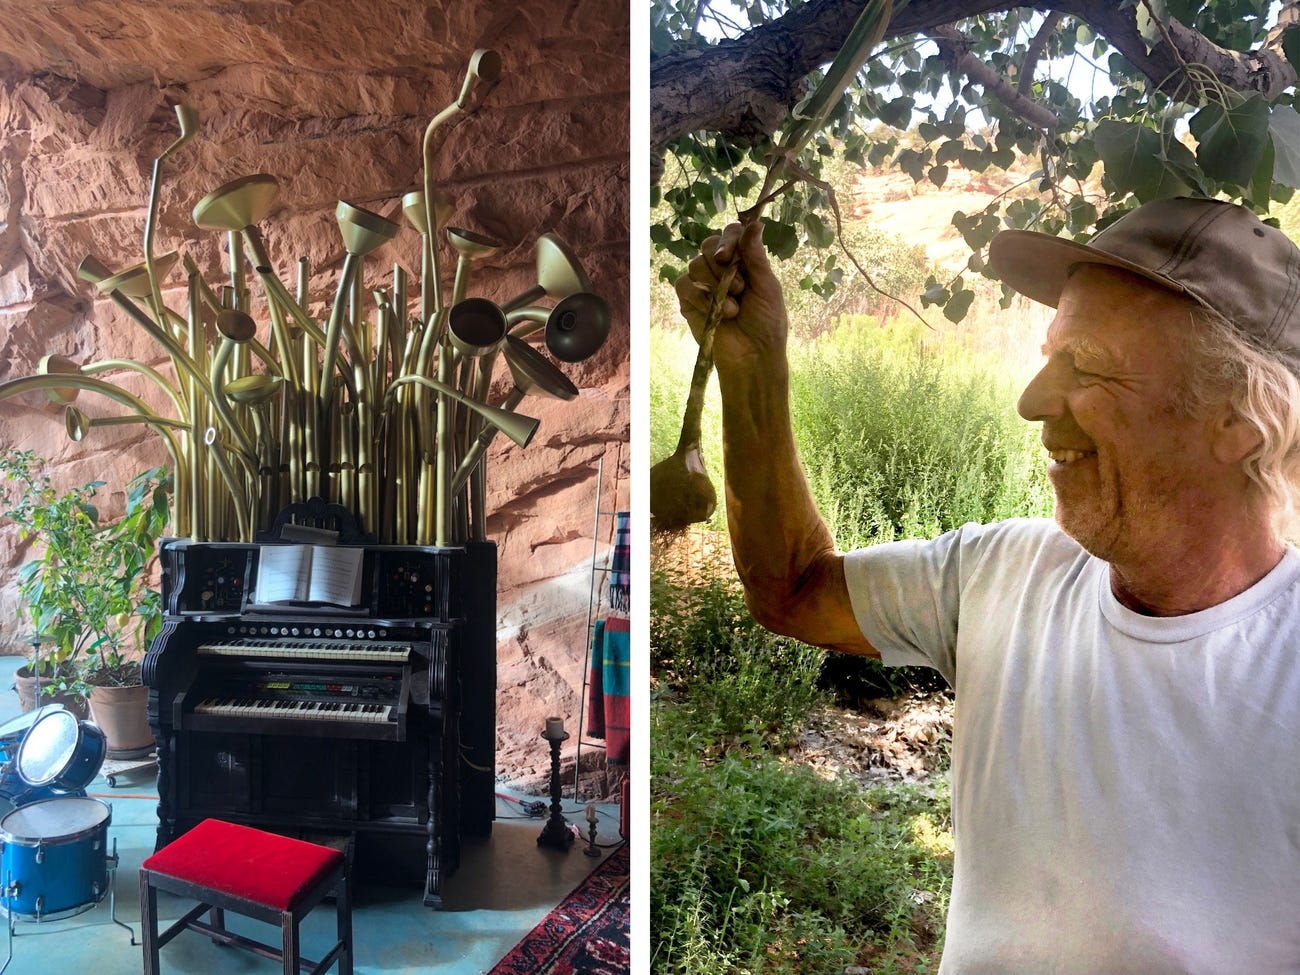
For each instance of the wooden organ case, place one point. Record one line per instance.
(378, 722)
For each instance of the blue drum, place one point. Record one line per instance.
(54, 858)
(12, 732)
(60, 752)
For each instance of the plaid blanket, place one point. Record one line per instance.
(620, 577)
(609, 686)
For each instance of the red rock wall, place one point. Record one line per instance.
(331, 98)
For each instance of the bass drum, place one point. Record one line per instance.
(54, 858)
(60, 752)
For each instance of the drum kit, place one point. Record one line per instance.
(54, 858)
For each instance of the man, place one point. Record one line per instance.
(1126, 759)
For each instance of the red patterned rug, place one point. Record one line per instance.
(587, 934)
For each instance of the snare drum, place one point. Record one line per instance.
(54, 858)
(61, 752)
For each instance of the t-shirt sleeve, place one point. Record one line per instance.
(906, 596)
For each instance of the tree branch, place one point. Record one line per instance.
(955, 51)
(1035, 51)
(747, 86)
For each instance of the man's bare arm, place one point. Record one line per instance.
(793, 577)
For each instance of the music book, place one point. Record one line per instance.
(309, 574)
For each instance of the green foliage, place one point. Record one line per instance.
(86, 588)
(903, 435)
(909, 110)
(757, 865)
(903, 438)
(734, 677)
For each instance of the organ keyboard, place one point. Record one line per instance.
(376, 721)
(307, 649)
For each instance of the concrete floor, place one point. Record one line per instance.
(504, 886)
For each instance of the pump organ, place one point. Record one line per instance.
(376, 722)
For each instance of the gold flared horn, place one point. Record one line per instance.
(532, 373)
(78, 426)
(475, 327)
(236, 327)
(362, 233)
(418, 217)
(362, 230)
(59, 365)
(469, 248)
(484, 66)
(516, 426)
(134, 281)
(240, 203)
(414, 211)
(558, 273)
(576, 328)
(252, 390)
(238, 206)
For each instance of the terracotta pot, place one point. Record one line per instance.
(25, 685)
(120, 714)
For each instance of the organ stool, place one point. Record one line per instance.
(272, 878)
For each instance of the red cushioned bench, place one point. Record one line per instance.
(227, 867)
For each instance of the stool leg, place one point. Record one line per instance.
(343, 903)
(149, 925)
(217, 917)
(289, 939)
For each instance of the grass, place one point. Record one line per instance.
(759, 864)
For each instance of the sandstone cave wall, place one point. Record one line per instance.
(331, 98)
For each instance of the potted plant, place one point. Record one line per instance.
(86, 592)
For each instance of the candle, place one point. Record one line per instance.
(591, 812)
(554, 728)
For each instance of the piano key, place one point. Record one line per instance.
(295, 710)
(348, 650)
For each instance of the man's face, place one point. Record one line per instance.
(1127, 467)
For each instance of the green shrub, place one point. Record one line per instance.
(732, 676)
(761, 866)
(903, 438)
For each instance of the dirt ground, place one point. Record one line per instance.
(887, 740)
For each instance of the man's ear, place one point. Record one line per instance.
(1232, 438)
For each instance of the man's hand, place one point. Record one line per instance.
(754, 321)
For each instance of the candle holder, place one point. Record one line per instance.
(556, 831)
(591, 849)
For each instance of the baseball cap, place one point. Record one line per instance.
(1219, 254)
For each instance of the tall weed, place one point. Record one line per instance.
(732, 676)
(760, 866)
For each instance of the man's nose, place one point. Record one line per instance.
(1044, 397)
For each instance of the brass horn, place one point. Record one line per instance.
(558, 273)
(532, 374)
(516, 426)
(238, 206)
(576, 328)
(362, 232)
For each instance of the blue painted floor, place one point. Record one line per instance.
(504, 886)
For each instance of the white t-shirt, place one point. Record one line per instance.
(1126, 789)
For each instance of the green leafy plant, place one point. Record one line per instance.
(1064, 117)
(86, 590)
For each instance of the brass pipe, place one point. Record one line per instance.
(233, 484)
(484, 66)
(236, 333)
(188, 119)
